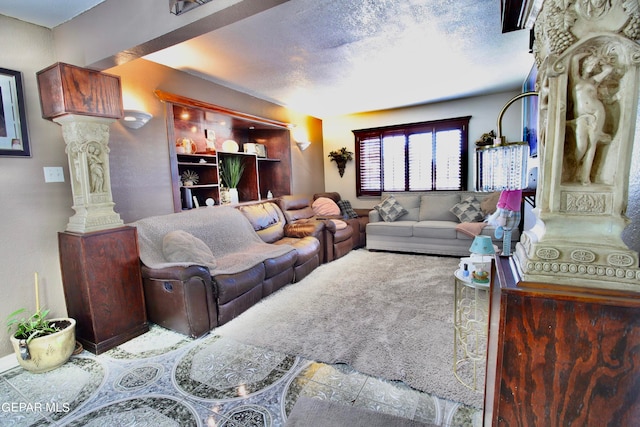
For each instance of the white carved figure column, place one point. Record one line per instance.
(87, 140)
(588, 63)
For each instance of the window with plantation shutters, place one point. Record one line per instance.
(425, 156)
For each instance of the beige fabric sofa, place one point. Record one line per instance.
(429, 226)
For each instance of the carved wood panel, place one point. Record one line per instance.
(565, 357)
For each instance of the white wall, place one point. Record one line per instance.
(32, 211)
(483, 110)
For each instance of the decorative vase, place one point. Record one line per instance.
(233, 195)
(225, 199)
(49, 351)
(341, 165)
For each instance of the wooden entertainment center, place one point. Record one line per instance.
(201, 135)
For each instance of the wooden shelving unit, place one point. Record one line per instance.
(206, 127)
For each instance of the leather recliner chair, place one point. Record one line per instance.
(359, 224)
(269, 222)
(336, 242)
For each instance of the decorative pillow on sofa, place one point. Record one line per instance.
(390, 210)
(180, 246)
(346, 209)
(468, 210)
(488, 204)
(324, 206)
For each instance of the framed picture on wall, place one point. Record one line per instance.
(14, 139)
(530, 113)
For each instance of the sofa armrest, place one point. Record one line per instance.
(182, 299)
(374, 216)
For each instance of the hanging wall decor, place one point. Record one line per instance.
(14, 140)
(341, 157)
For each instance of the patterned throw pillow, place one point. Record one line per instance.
(346, 209)
(468, 210)
(390, 210)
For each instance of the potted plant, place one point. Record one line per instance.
(341, 157)
(231, 170)
(41, 344)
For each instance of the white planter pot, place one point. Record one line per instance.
(50, 351)
(233, 194)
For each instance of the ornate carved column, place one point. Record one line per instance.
(87, 140)
(84, 102)
(588, 63)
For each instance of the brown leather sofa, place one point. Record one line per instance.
(193, 299)
(359, 224)
(269, 222)
(298, 212)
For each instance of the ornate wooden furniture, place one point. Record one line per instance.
(561, 355)
(103, 286)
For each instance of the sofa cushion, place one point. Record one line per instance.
(323, 206)
(410, 202)
(261, 215)
(390, 210)
(468, 210)
(397, 228)
(181, 246)
(346, 209)
(434, 207)
(435, 229)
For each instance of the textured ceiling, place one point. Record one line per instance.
(332, 57)
(47, 13)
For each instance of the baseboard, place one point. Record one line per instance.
(8, 362)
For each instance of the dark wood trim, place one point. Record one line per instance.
(190, 102)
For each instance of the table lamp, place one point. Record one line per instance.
(481, 246)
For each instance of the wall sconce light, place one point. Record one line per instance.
(303, 145)
(503, 166)
(135, 119)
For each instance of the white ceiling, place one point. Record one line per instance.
(333, 57)
(46, 13)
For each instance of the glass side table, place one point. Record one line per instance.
(471, 308)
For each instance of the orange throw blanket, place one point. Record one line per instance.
(472, 229)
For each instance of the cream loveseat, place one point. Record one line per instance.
(429, 226)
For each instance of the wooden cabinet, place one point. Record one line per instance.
(103, 286)
(202, 135)
(561, 355)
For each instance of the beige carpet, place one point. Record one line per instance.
(385, 314)
(308, 412)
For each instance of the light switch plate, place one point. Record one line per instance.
(53, 174)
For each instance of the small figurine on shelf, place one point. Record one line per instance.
(506, 217)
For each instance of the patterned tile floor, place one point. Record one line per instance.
(166, 379)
